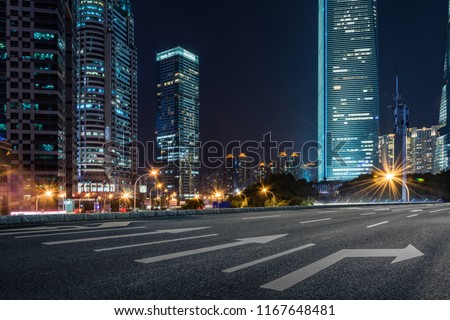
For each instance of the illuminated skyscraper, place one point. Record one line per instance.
(442, 161)
(348, 94)
(177, 123)
(106, 96)
(36, 97)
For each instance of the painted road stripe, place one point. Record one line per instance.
(378, 224)
(413, 216)
(327, 212)
(153, 243)
(275, 256)
(266, 217)
(77, 232)
(436, 211)
(388, 209)
(368, 214)
(173, 231)
(312, 221)
(419, 210)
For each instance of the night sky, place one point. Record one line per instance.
(258, 62)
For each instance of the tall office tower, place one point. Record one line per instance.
(35, 90)
(348, 88)
(442, 161)
(177, 124)
(107, 108)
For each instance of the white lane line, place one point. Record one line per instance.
(155, 242)
(436, 211)
(266, 217)
(275, 256)
(378, 224)
(173, 231)
(77, 232)
(382, 209)
(35, 231)
(327, 212)
(312, 221)
(368, 214)
(419, 210)
(413, 216)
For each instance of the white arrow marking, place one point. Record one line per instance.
(77, 232)
(300, 275)
(173, 231)
(239, 242)
(378, 224)
(256, 218)
(69, 228)
(155, 242)
(312, 221)
(275, 256)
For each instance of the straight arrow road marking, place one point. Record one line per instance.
(239, 242)
(378, 224)
(172, 231)
(313, 221)
(275, 256)
(413, 216)
(257, 218)
(153, 243)
(302, 274)
(77, 232)
(70, 228)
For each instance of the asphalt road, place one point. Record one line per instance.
(385, 252)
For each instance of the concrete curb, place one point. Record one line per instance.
(59, 218)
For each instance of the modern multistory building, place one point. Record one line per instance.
(420, 154)
(107, 106)
(348, 96)
(177, 124)
(442, 161)
(36, 97)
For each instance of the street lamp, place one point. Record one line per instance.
(392, 178)
(153, 173)
(266, 191)
(47, 194)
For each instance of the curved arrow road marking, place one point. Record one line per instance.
(300, 275)
(239, 242)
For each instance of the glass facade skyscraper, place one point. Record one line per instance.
(442, 160)
(177, 124)
(36, 97)
(348, 97)
(106, 96)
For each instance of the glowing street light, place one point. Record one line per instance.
(47, 193)
(266, 191)
(152, 173)
(392, 178)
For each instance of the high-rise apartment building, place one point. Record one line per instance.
(421, 149)
(177, 124)
(36, 97)
(348, 88)
(442, 161)
(107, 107)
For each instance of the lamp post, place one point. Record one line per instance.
(241, 194)
(391, 178)
(47, 194)
(152, 173)
(125, 197)
(266, 191)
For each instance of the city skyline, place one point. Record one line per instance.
(279, 96)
